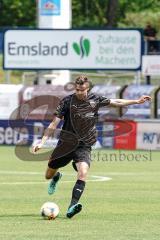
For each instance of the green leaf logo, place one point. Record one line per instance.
(82, 48)
(76, 48)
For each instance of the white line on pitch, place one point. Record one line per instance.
(96, 178)
(99, 179)
(32, 183)
(73, 174)
(20, 173)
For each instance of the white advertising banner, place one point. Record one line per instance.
(151, 65)
(148, 135)
(9, 99)
(54, 14)
(72, 49)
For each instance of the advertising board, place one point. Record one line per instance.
(72, 49)
(148, 136)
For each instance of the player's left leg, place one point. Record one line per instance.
(78, 189)
(79, 186)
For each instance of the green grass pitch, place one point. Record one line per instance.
(125, 208)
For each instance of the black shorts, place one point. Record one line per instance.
(80, 154)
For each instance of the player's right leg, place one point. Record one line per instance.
(52, 170)
(50, 173)
(56, 176)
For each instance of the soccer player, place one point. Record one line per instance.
(79, 112)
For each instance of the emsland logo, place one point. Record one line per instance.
(82, 48)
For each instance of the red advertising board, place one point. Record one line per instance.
(126, 139)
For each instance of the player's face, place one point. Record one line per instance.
(82, 91)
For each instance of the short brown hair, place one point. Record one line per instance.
(81, 80)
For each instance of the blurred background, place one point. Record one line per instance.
(17, 87)
(121, 201)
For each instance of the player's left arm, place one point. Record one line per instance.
(126, 102)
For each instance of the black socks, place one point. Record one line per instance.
(77, 192)
(56, 177)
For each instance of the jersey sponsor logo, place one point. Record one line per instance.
(92, 103)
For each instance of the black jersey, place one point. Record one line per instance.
(80, 116)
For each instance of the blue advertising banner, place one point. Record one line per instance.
(50, 7)
(20, 132)
(13, 132)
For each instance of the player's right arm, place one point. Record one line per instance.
(47, 133)
(59, 115)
